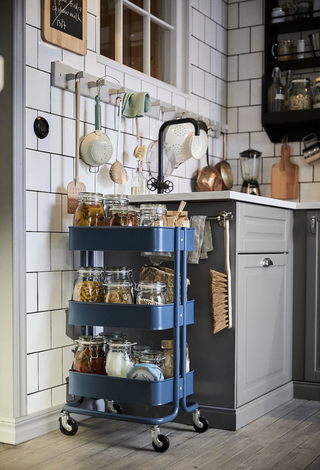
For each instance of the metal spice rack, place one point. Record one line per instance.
(174, 316)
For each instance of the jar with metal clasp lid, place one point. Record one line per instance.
(119, 292)
(119, 357)
(133, 216)
(118, 216)
(316, 93)
(88, 286)
(161, 216)
(114, 200)
(300, 94)
(153, 356)
(90, 211)
(151, 293)
(147, 215)
(90, 356)
(138, 350)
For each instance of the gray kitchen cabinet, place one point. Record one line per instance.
(263, 301)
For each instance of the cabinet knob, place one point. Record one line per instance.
(267, 262)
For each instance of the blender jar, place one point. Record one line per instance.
(250, 168)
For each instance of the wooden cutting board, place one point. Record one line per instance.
(284, 177)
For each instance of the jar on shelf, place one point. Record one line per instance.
(303, 8)
(90, 211)
(316, 93)
(118, 216)
(114, 200)
(300, 94)
(119, 292)
(277, 15)
(119, 357)
(152, 293)
(161, 216)
(167, 346)
(88, 286)
(139, 349)
(147, 215)
(90, 356)
(118, 273)
(133, 216)
(153, 356)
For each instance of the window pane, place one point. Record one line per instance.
(139, 3)
(107, 28)
(161, 42)
(161, 9)
(132, 39)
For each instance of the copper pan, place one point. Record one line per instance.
(209, 178)
(224, 168)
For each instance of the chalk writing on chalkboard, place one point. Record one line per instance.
(66, 16)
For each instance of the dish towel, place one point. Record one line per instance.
(202, 239)
(135, 104)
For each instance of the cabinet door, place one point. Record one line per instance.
(312, 340)
(264, 325)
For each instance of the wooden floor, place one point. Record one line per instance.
(287, 438)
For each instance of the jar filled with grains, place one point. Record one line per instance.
(300, 95)
(152, 293)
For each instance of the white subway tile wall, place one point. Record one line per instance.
(226, 55)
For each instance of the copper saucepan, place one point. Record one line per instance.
(209, 178)
(224, 168)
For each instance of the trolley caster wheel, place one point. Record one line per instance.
(72, 426)
(117, 408)
(163, 444)
(202, 425)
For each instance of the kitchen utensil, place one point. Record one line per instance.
(118, 173)
(311, 151)
(224, 168)
(250, 168)
(315, 43)
(209, 178)
(199, 144)
(75, 187)
(168, 156)
(284, 177)
(180, 209)
(220, 289)
(179, 136)
(96, 148)
(140, 150)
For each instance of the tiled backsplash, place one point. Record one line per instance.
(226, 53)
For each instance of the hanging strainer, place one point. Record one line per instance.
(179, 137)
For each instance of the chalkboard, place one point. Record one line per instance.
(64, 23)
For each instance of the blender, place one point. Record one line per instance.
(250, 169)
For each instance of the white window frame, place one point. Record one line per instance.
(181, 68)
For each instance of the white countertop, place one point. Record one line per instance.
(223, 196)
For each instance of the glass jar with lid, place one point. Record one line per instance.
(118, 273)
(316, 93)
(88, 286)
(303, 8)
(119, 357)
(153, 356)
(151, 293)
(119, 292)
(139, 349)
(147, 215)
(90, 356)
(118, 215)
(114, 200)
(133, 216)
(300, 94)
(90, 211)
(161, 216)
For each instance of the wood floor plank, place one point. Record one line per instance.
(315, 465)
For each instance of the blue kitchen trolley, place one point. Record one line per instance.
(174, 316)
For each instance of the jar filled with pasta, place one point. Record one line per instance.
(90, 211)
(300, 94)
(90, 356)
(152, 293)
(119, 292)
(88, 286)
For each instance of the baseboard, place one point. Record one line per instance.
(306, 390)
(259, 407)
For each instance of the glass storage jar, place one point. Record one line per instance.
(118, 273)
(139, 349)
(147, 215)
(90, 211)
(300, 95)
(90, 356)
(114, 200)
(316, 93)
(88, 286)
(152, 293)
(153, 357)
(119, 357)
(118, 292)
(303, 8)
(133, 216)
(118, 216)
(161, 216)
